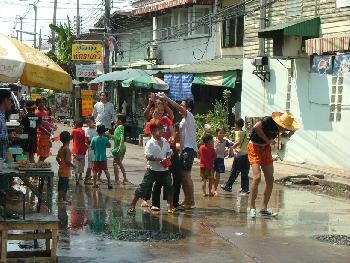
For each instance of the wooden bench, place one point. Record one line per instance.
(43, 227)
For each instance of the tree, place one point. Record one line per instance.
(65, 39)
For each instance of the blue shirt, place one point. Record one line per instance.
(99, 145)
(3, 135)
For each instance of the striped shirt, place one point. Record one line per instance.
(3, 135)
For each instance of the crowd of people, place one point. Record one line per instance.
(169, 153)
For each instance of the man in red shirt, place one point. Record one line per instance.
(207, 155)
(79, 149)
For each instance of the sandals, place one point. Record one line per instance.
(155, 208)
(131, 211)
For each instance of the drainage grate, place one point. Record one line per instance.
(135, 235)
(334, 239)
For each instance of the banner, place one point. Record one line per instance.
(341, 64)
(87, 102)
(321, 65)
(87, 52)
(343, 3)
(180, 86)
(89, 71)
(62, 105)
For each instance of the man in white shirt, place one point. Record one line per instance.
(104, 113)
(188, 148)
(158, 154)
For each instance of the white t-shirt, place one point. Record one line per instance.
(90, 133)
(104, 114)
(153, 149)
(188, 132)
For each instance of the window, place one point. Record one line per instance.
(336, 98)
(164, 26)
(233, 32)
(199, 20)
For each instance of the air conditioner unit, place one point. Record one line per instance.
(152, 52)
(261, 61)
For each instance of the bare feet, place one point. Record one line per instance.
(144, 203)
(117, 182)
(126, 181)
(205, 194)
(211, 194)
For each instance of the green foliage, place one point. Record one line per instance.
(216, 118)
(65, 39)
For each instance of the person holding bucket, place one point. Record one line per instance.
(260, 157)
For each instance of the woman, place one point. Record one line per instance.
(189, 147)
(44, 131)
(260, 157)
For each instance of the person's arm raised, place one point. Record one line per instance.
(174, 104)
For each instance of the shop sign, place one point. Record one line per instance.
(87, 52)
(343, 3)
(87, 102)
(89, 71)
(321, 65)
(341, 64)
(35, 96)
(62, 104)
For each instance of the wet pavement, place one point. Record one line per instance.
(95, 227)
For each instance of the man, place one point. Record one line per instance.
(104, 113)
(260, 158)
(5, 106)
(189, 147)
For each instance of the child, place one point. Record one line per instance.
(207, 156)
(64, 159)
(219, 165)
(79, 150)
(119, 149)
(90, 132)
(157, 152)
(30, 123)
(240, 161)
(100, 144)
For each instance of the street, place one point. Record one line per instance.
(96, 227)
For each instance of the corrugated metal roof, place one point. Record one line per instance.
(215, 65)
(308, 27)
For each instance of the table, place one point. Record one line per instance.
(42, 175)
(48, 227)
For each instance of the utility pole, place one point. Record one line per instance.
(54, 23)
(107, 23)
(35, 22)
(21, 28)
(40, 40)
(78, 20)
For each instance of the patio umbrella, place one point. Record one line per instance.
(19, 62)
(146, 82)
(119, 75)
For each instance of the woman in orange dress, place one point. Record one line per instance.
(45, 130)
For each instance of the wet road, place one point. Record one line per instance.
(217, 230)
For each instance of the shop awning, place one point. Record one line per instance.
(327, 45)
(168, 4)
(221, 79)
(309, 27)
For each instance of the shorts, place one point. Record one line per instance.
(186, 159)
(29, 145)
(150, 177)
(63, 184)
(219, 165)
(206, 174)
(100, 166)
(79, 162)
(259, 154)
(118, 154)
(90, 159)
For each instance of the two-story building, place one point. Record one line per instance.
(296, 60)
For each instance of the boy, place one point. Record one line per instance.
(30, 123)
(78, 150)
(207, 155)
(119, 149)
(90, 132)
(64, 159)
(220, 146)
(157, 152)
(99, 144)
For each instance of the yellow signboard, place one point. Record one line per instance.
(87, 102)
(87, 52)
(35, 96)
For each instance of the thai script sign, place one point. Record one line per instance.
(89, 71)
(87, 102)
(87, 52)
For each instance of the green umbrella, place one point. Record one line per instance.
(119, 75)
(146, 82)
